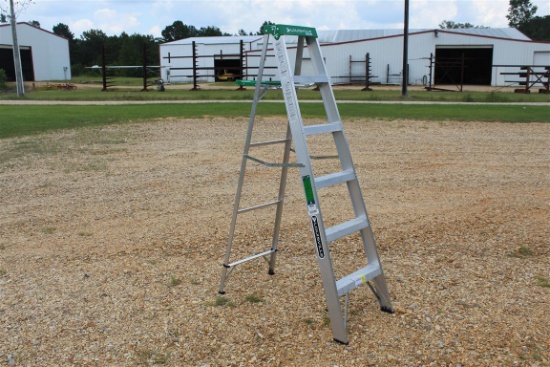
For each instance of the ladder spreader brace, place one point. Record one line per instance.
(297, 133)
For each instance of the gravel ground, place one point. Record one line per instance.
(112, 240)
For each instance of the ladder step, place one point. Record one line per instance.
(346, 228)
(311, 79)
(334, 178)
(265, 253)
(322, 128)
(361, 276)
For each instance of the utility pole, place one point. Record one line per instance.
(405, 52)
(16, 54)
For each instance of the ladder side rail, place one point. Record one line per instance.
(314, 210)
(236, 205)
(354, 189)
(299, 56)
(280, 202)
(333, 115)
(339, 137)
(320, 70)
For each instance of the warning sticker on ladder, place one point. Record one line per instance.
(310, 197)
(318, 238)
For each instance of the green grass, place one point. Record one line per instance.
(542, 281)
(129, 89)
(174, 281)
(221, 301)
(254, 298)
(16, 121)
(521, 252)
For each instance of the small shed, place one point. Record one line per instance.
(44, 55)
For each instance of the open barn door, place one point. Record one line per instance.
(461, 64)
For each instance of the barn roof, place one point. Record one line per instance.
(218, 40)
(350, 35)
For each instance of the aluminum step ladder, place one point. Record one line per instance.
(297, 134)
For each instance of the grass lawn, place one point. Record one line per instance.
(17, 120)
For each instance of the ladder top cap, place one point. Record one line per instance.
(277, 30)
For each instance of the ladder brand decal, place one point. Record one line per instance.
(318, 239)
(310, 197)
(277, 30)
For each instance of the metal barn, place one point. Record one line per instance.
(44, 55)
(436, 56)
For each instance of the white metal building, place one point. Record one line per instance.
(44, 55)
(470, 56)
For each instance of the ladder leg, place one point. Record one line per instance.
(279, 212)
(257, 93)
(381, 291)
(236, 205)
(337, 322)
(383, 294)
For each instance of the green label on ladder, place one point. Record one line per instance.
(277, 30)
(310, 197)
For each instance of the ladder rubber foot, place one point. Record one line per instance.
(387, 309)
(341, 342)
(271, 272)
(221, 292)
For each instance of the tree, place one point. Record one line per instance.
(63, 30)
(34, 23)
(449, 24)
(520, 12)
(209, 31)
(521, 15)
(89, 47)
(178, 31)
(538, 28)
(3, 18)
(267, 22)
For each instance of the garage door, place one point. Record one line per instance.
(469, 65)
(6, 62)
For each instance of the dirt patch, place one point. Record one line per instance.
(112, 240)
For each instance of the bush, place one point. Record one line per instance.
(3, 78)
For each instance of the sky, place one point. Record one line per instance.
(152, 16)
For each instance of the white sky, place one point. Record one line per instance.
(152, 16)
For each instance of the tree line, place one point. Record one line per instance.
(125, 49)
(521, 15)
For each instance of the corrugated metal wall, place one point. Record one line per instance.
(385, 55)
(50, 53)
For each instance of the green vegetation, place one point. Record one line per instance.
(521, 252)
(48, 230)
(19, 121)
(129, 89)
(148, 357)
(542, 281)
(174, 281)
(254, 298)
(221, 301)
